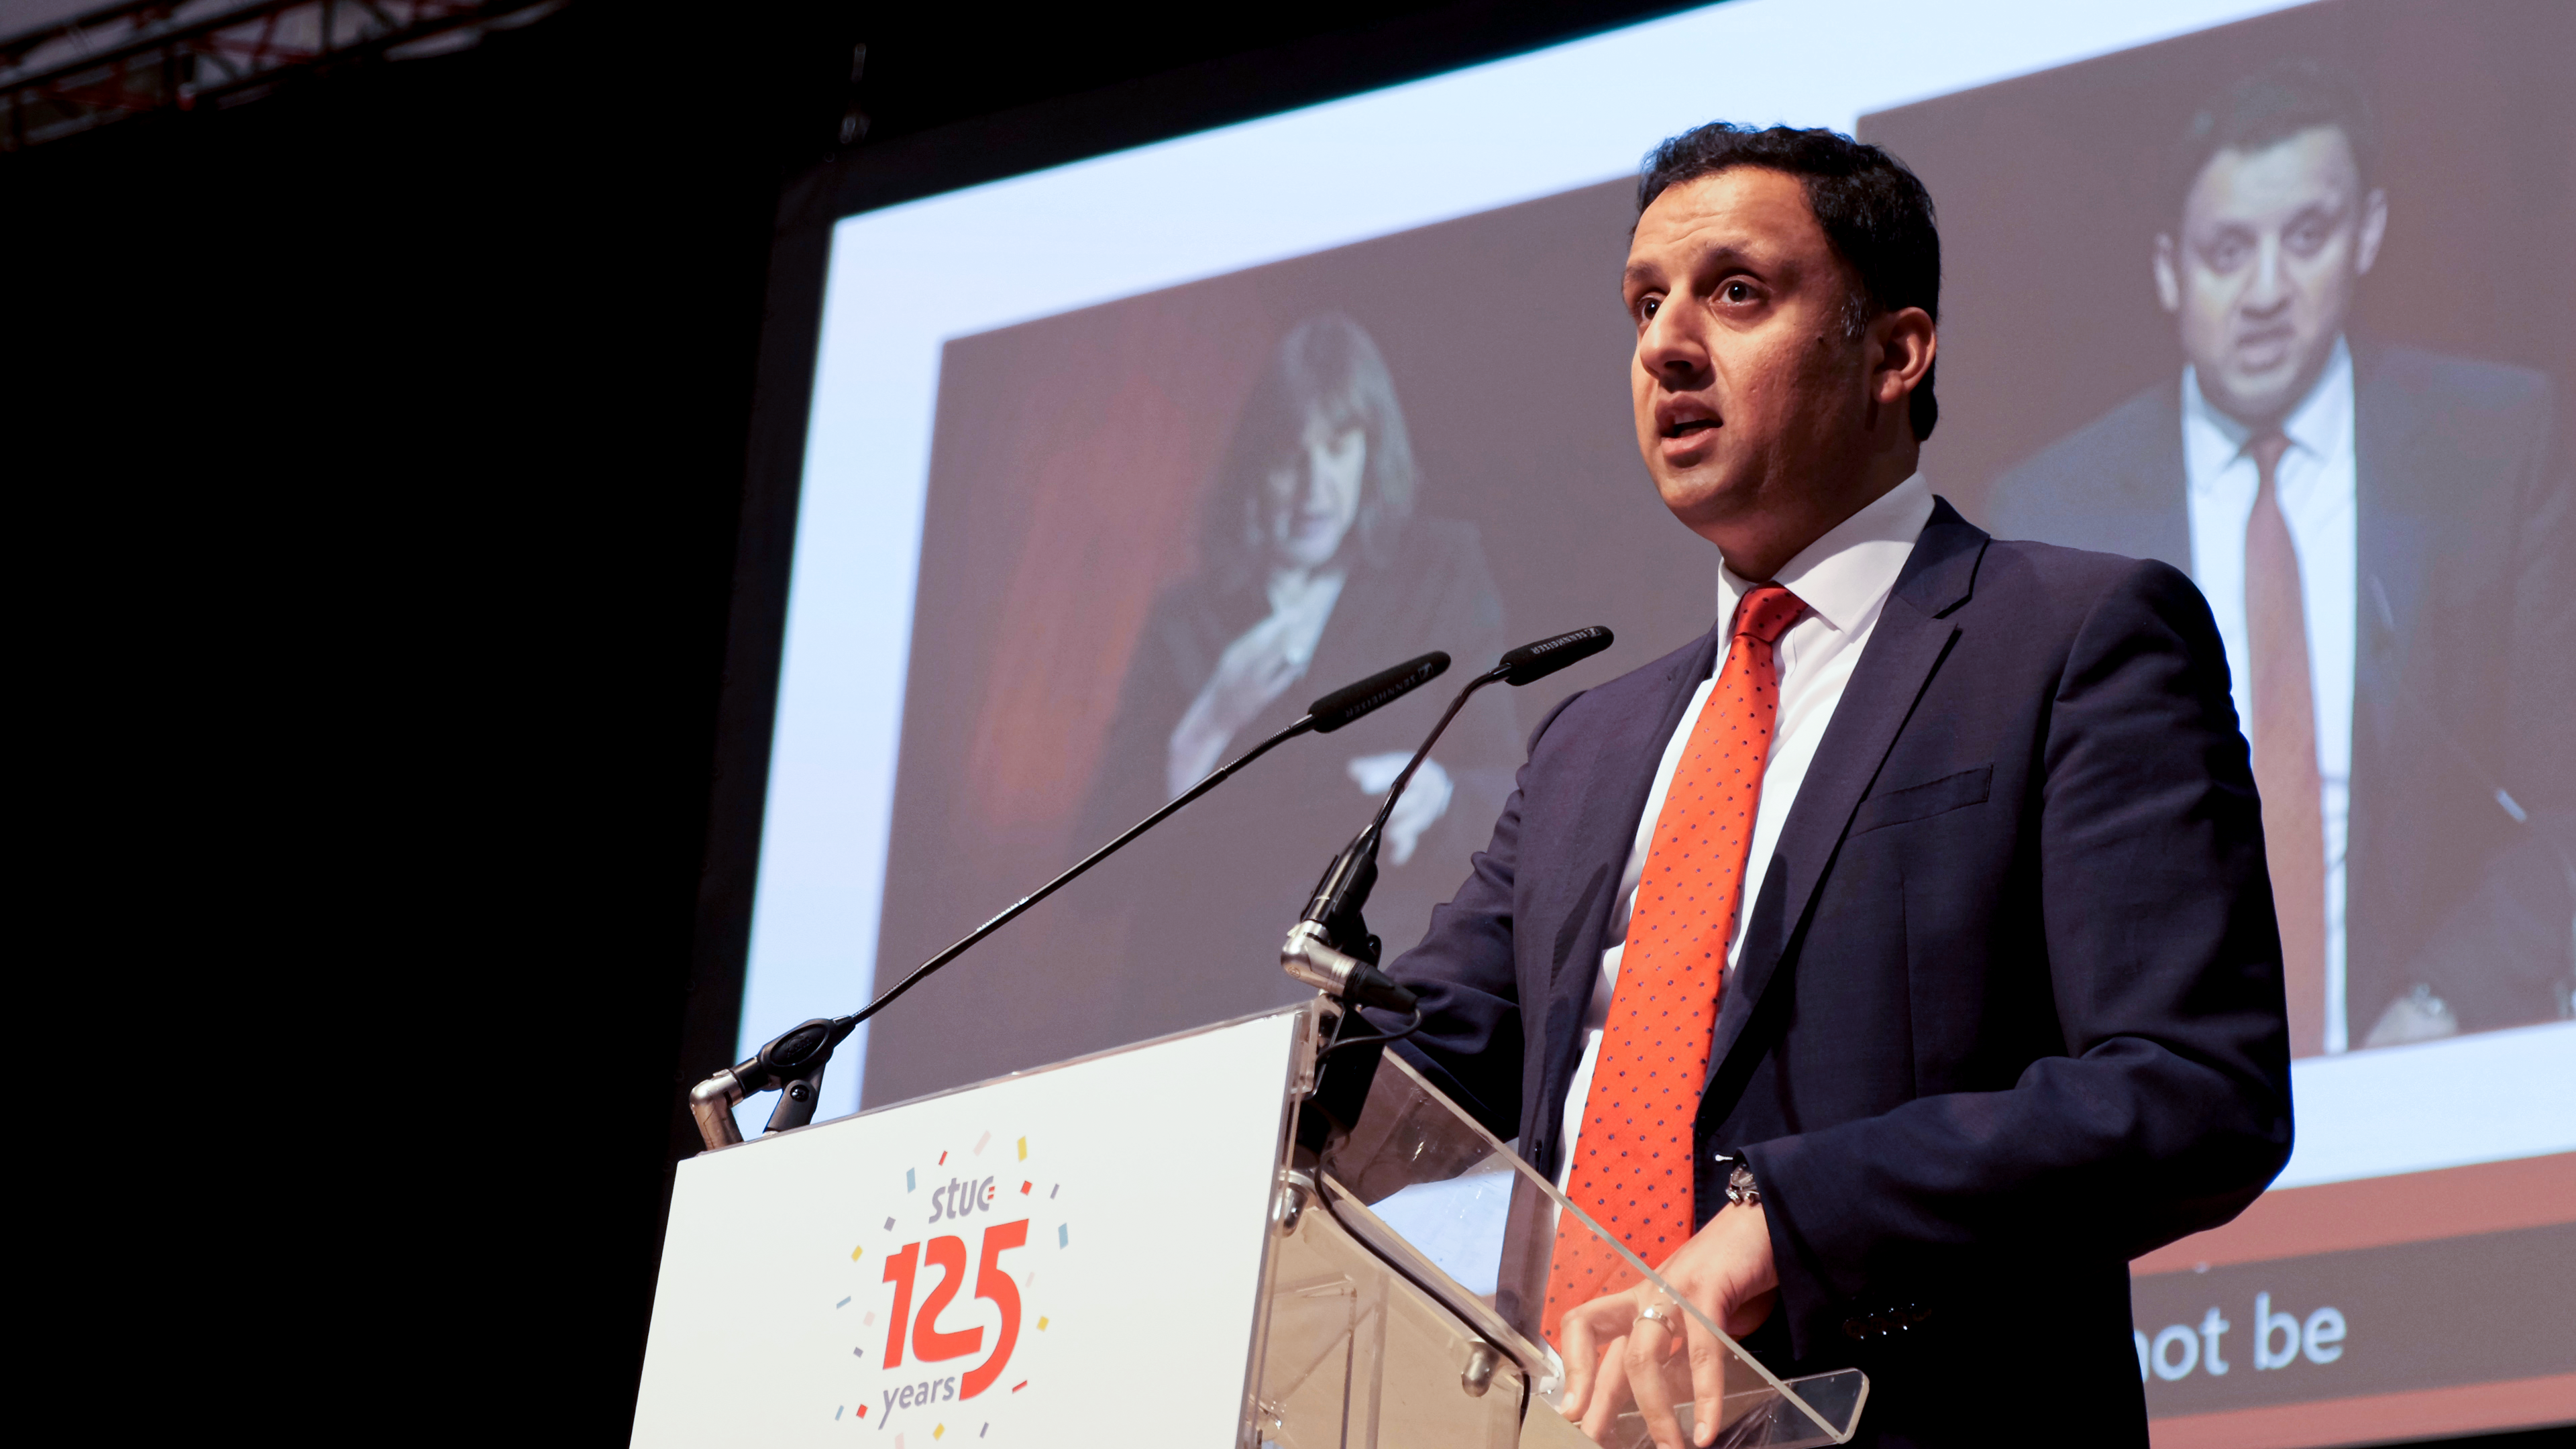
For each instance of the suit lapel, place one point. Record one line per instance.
(1621, 774)
(1912, 637)
(2394, 520)
(2392, 542)
(2161, 487)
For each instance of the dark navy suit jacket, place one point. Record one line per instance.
(2464, 678)
(2008, 1010)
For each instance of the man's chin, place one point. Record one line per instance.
(2264, 397)
(1698, 498)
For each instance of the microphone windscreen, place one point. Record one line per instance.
(1532, 662)
(1382, 688)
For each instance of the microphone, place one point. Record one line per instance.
(1531, 663)
(794, 1060)
(1330, 947)
(1383, 688)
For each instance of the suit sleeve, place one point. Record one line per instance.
(2170, 1107)
(1470, 1044)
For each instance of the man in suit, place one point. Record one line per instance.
(1892, 963)
(2385, 538)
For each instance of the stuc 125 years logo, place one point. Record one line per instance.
(952, 1304)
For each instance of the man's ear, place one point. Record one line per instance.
(2374, 230)
(2168, 278)
(1907, 343)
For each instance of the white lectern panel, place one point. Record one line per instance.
(1070, 1256)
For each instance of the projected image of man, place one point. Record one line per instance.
(2383, 538)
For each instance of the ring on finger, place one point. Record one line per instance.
(1666, 1316)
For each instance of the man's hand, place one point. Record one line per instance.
(1612, 1358)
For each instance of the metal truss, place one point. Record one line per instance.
(177, 55)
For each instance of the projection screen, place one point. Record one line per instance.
(1038, 423)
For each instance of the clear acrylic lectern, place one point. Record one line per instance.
(1407, 1299)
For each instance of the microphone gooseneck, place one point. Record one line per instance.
(794, 1060)
(1330, 947)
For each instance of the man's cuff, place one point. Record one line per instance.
(1808, 1296)
(1829, 1307)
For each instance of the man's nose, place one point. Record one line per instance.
(2268, 290)
(1670, 349)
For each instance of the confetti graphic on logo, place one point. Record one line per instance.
(920, 1255)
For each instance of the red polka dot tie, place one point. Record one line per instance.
(1632, 1160)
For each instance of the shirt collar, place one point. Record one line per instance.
(1844, 576)
(2317, 425)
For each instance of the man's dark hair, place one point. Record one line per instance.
(1873, 210)
(2270, 106)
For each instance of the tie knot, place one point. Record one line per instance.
(1767, 612)
(2266, 449)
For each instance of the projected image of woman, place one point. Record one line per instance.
(1314, 570)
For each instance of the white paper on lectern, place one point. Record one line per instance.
(1146, 1190)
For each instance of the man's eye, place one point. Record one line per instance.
(2227, 256)
(1736, 292)
(1646, 309)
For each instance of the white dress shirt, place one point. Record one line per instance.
(2320, 500)
(1843, 578)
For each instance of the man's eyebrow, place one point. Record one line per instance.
(1726, 256)
(1730, 256)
